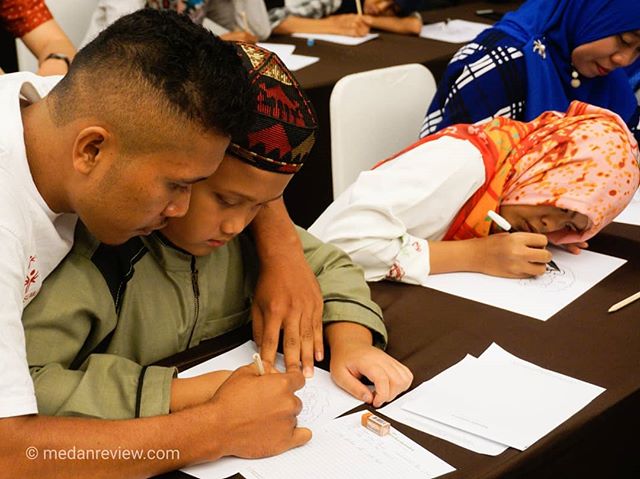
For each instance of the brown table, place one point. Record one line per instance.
(430, 331)
(310, 191)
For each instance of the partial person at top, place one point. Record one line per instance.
(32, 22)
(339, 16)
(232, 20)
(539, 58)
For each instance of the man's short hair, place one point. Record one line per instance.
(162, 61)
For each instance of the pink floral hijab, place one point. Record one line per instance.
(585, 160)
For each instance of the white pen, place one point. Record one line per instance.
(257, 360)
(499, 220)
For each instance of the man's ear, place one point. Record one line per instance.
(89, 148)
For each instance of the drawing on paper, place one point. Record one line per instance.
(314, 404)
(552, 280)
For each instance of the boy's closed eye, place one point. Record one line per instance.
(226, 201)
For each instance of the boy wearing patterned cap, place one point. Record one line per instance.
(194, 280)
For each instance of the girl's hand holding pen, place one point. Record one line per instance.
(520, 262)
(515, 255)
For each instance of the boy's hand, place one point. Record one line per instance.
(515, 255)
(353, 356)
(258, 414)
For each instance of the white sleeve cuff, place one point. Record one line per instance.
(411, 265)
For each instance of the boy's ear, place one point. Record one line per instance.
(88, 148)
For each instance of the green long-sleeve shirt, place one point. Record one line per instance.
(107, 312)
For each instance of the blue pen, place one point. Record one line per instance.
(506, 226)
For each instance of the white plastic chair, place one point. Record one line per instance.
(375, 114)
(73, 16)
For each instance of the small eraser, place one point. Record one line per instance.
(375, 424)
(310, 42)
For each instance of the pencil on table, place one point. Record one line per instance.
(624, 302)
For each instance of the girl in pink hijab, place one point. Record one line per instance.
(560, 178)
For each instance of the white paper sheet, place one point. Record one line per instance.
(461, 438)
(298, 62)
(539, 297)
(321, 399)
(280, 49)
(285, 52)
(631, 214)
(454, 31)
(502, 398)
(343, 448)
(340, 39)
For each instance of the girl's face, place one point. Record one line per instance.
(543, 219)
(600, 57)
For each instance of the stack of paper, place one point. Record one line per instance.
(461, 438)
(291, 60)
(501, 398)
(453, 31)
(339, 39)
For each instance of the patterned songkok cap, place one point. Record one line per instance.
(284, 129)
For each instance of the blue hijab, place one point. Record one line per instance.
(560, 26)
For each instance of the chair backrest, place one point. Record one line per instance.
(375, 114)
(73, 16)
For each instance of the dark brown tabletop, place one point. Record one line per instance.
(310, 191)
(430, 331)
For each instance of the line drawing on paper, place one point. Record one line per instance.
(551, 281)
(315, 403)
